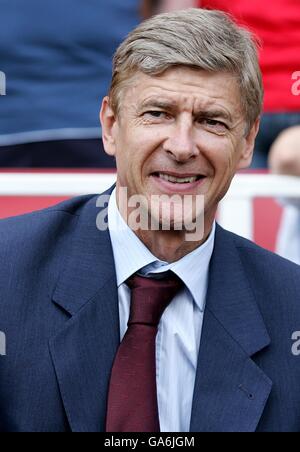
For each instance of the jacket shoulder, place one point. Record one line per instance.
(28, 239)
(273, 279)
(261, 256)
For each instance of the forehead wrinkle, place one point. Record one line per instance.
(177, 100)
(175, 82)
(154, 101)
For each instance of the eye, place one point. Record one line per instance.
(213, 124)
(156, 114)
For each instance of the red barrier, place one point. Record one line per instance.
(16, 205)
(267, 213)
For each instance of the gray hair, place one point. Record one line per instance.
(197, 38)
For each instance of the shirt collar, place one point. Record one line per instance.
(132, 256)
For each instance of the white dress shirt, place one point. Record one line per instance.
(179, 332)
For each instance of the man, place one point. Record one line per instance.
(284, 159)
(210, 315)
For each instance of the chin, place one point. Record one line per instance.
(167, 223)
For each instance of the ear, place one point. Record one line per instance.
(247, 154)
(109, 125)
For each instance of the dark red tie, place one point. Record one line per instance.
(132, 398)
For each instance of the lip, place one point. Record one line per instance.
(174, 174)
(173, 188)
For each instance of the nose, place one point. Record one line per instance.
(180, 143)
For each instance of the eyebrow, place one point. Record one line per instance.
(169, 105)
(156, 103)
(210, 114)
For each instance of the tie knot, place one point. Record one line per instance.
(150, 297)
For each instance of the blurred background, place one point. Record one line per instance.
(55, 68)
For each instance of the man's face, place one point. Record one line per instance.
(182, 132)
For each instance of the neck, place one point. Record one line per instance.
(170, 246)
(167, 245)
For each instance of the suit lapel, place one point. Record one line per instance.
(83, 352)
(230, 390)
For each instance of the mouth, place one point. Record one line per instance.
(178, 182)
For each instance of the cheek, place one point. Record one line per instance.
(143, 146)
(132, 155)
(219, 152)
(231, 151)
